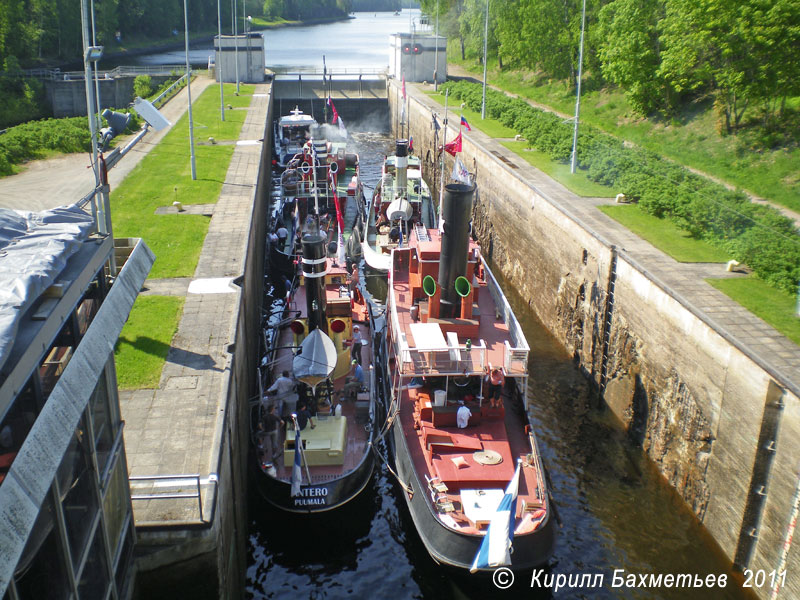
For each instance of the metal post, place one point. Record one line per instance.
(485, 46)
(94, 68)
(444, 141)
(247, 20)
(189, 89)
(236, 42)
(574, 161)
(436, 52)
(90, 97)
(219, 62)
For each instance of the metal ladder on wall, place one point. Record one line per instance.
(608, 313)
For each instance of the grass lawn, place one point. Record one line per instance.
(578, 183)
(666, 236)
(145, 339)
(689, 138)
(774, 306)
(164, 176)
(490, 127)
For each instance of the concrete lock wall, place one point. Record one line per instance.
(716, 424)
(67, 98)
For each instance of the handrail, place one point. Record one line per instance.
(171, 496)
(163, 94)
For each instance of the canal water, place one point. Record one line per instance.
(616, 511)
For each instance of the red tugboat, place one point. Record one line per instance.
(463, 447)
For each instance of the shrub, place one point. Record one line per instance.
(143, 86)
(754, 234)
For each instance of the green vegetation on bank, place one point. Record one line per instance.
(164, 176)
(40, 139)
(666, 236)
(754, 234)
(145, 340)
(775, 307)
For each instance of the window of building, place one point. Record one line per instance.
(122, 569)
(116, 505)
(41, 572)
(15, 425)
(103, 424)
(78, 485)
(93, 581)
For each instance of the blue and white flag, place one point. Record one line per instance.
(297, 471)
(495, 550)
(460, 172)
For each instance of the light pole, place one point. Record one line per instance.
(248, 23)
(236, 42)
(485, 45)
(436, 52)
(219, 62)
(574, 160)
(189, 89)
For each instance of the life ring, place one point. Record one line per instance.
(334, 167)
(305, 167)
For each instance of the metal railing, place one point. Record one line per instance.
(294, 72)
(58, 74)
(180, 495)
(167, 93)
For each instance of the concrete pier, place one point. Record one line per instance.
(711, 392)
(192, 432)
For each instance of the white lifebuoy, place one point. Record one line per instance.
(334, 167)
(305, 168)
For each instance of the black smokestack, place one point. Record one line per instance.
(401, 166)
(456, 212)
(314, 265)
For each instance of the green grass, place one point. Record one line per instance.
(164, 176)
(578, 183)
(666, 236)
(490, 127)
(773, 306)
(145, 340)
(690, 138)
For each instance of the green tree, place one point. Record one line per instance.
(628, 48)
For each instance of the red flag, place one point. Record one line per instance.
(404, 87)
(333, 109)
(454, 146)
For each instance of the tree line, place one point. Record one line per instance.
(662, 53)
(42, 30)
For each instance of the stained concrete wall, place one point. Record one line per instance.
(717, 425)
(67, 98)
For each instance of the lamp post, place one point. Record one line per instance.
(248, 23)
(219, 62)
(436, 52)
(189, 89)
(485, 45)
(236, 43)
(574, 160)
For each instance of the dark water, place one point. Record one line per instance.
(616, 511)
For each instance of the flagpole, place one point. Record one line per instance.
(302, 450)
(444, 141)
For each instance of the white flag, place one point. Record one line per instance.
(342, 129)
(460, 172)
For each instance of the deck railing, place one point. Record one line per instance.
(184, 486)
(516, 352)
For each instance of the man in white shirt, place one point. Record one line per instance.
(282, 389)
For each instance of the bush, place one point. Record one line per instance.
(143, 86)
(754, 234)
(30, 140)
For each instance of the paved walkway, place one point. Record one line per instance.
(176, 428)
(64, 180)
(766, 346)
